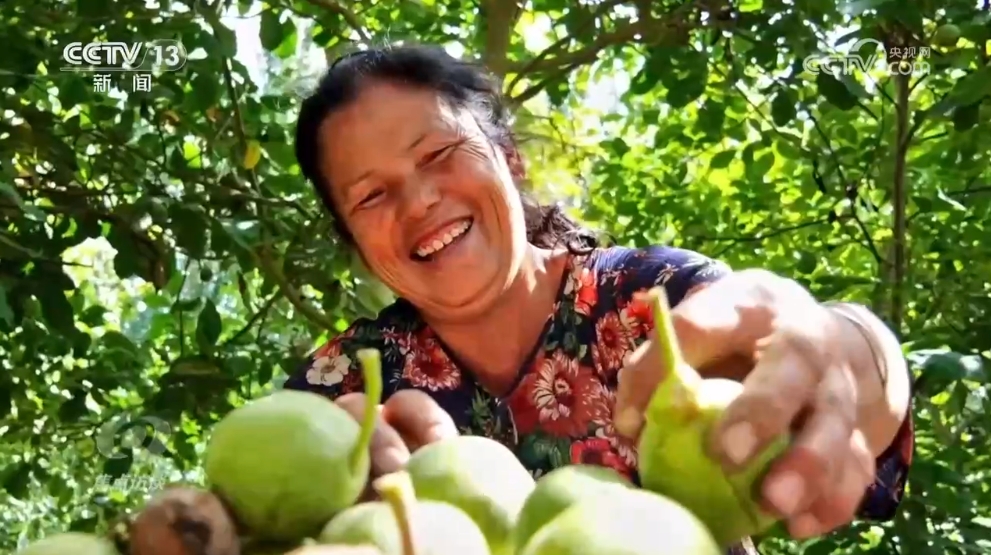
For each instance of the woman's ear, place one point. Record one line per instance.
(515, 162)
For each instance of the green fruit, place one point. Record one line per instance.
(478, 475)
(673, 459)
(631, 522)
(70, 543)
(402, 525)
(946, 35)
(559, 490)
(288, 462)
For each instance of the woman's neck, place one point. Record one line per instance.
(494, 346)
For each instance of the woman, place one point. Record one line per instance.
(513, 323)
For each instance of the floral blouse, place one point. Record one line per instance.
(559, 411)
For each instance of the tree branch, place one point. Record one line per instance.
(900, 200)
(645, 30)
(561, 43)
(349, 16)
(500, 18)
(260, 255)
(255, 318)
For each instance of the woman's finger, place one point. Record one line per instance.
(388, 450)
(779, 388)
(717, 327)
(815, 463)
(418, 418)
(727, 318)
(838, 506)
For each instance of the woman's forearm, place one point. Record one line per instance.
(883, 379)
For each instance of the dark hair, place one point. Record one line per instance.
(462, 84)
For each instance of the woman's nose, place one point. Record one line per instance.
(419, 197)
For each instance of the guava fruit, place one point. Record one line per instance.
(561, 488)
(478, 475)
(183, 520)
(673, 458)
(70, 543)
(404, 525)
(946, 35)
(288, 462)
(630, 522)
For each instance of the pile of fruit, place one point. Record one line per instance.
(288, 473)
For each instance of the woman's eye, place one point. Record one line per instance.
(436, 155)
(370, 197)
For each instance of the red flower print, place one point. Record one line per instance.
(582, 285)
(625, 448)
(597, 451)
(613, 343)
(331, 348)
(353, 381)
(559, 396)
(636, 316)
(427, 365)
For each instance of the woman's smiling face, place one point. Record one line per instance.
(427, 197)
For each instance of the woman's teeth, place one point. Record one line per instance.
(449, 237)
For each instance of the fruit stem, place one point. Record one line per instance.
(397, 490)
(680, 382)
(371, 369)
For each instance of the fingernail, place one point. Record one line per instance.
(628, 422)
(739, 442)
(785, 492)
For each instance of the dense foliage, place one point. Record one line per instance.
(161, 259)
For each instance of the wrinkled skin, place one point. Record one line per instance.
(396, 184)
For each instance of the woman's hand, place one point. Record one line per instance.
(409, 420)
(802, 382)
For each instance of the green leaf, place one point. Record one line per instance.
(940, 368)
(74, 408)
(57, 310)
(17, 479)
(240, 366)
(682, 92)
(120, 464)
(835, 91)
(6, 314)
(206, 91)
(208, 325)
(806, 263)
(189, 225)
(94, 316)
(6, 398)
(711, 118)
(859, 7)
(972, 88)
(783, 108)
(722, 159)
(965, 117)
(116, 341)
